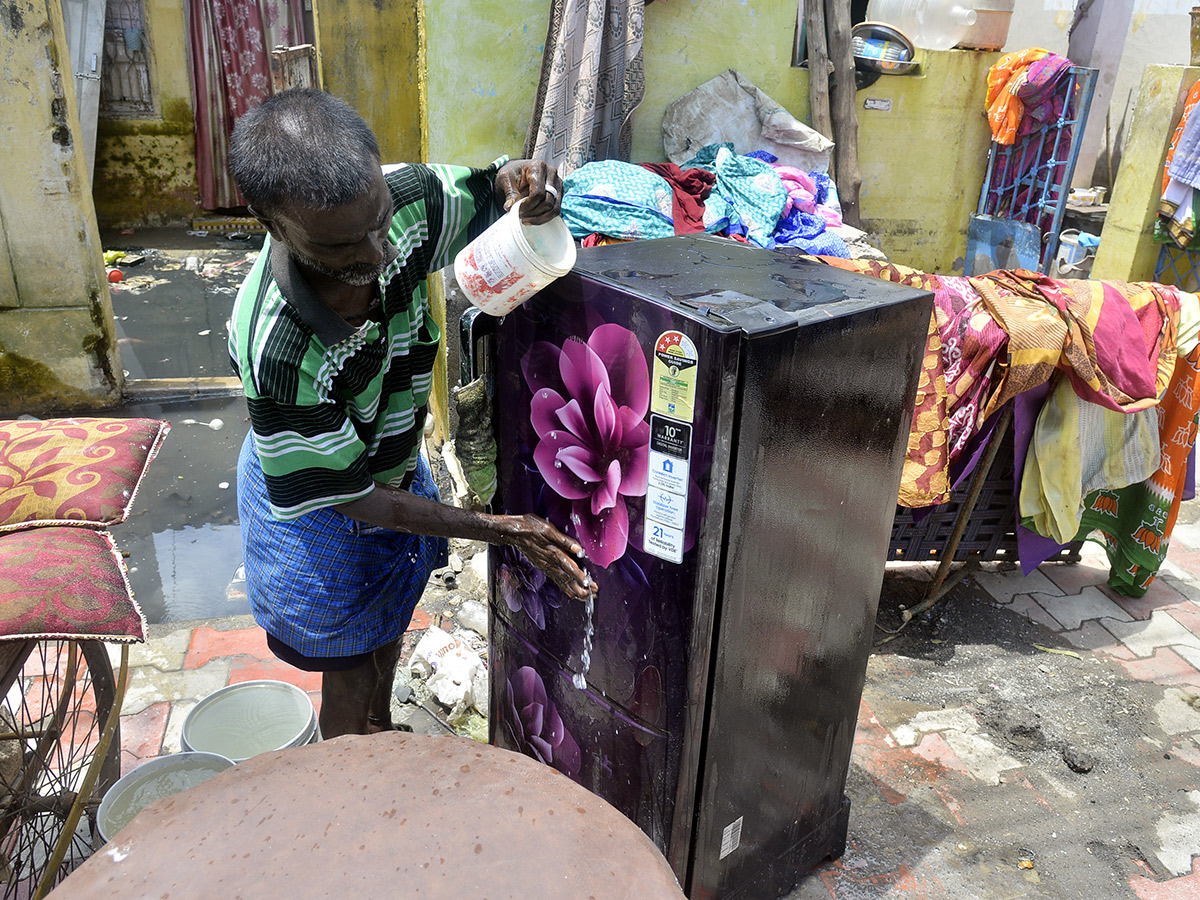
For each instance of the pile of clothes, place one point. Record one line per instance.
(749, 197)
(1176, 221)
(1101, 378)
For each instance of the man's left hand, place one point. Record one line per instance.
(533, 182)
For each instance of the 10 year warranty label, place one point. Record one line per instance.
(667, 488)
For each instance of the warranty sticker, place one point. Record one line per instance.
(673, 391)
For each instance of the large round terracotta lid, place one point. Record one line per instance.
(390, 815)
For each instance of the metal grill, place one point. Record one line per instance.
(1178, 267)
(1029, 180)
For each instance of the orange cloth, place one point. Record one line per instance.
(1004, 110)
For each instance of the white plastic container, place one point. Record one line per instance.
(992, 20)
(244, 720)
(930, 24)
(152, 781)
(512, 261)
(1073, 259)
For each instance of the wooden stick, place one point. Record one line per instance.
(843, 109)
(818, 67)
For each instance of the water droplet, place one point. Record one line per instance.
(545, 394)
(558, 464)
(554, 435)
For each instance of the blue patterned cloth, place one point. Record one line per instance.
(618, 199)
(323, 583)
(809, 232)
(748, 197)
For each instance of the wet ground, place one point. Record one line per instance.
(172, 311)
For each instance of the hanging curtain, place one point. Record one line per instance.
(592, 79)
(230, 42)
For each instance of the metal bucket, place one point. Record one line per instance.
(152, 781)
(243, 720)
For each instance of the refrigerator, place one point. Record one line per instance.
(723, 428)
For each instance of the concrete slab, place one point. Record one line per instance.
(1072, 610)
(1004, 585)
(1160, 630)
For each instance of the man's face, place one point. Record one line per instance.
(349, 243)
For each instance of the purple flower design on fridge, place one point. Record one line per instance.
(589, 411)
(534, 725)
(523, 586)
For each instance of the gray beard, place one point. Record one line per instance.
(358, 274)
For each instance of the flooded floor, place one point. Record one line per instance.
(172, 311)
(182, 537)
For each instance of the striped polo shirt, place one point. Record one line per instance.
(336, 408)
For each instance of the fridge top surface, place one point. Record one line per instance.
(722, 281)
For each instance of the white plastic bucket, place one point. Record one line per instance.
(1070, 251)
(244, 720)
(512, 261)
(152, 781)
(1073, 260)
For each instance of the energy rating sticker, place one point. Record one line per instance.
(667, 488)
(673, 389)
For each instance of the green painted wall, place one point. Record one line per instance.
(484, 59)
(57, 342)
(369, 56)
(146, 167)
(690, 41)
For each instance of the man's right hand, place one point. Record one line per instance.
(556, 554)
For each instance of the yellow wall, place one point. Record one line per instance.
(484, 59)
(482, 78)
(57, 343)
(923, 160)
(146, 167)
(369, 57)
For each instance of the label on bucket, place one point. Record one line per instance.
(491, 264)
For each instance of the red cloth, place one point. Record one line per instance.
(689, 189)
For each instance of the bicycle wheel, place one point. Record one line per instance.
(59, 697)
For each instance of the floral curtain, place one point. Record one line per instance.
(230, 43)
(591, 81)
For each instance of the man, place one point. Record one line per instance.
(332, 337)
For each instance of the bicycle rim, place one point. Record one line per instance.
(49, 730)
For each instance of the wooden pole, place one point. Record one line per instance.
(818, 67)
(843, 108)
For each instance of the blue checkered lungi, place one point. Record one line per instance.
(325, 584)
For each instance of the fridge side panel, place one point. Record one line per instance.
(824, 417)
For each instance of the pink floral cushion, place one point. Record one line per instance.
(61, 582)
(73, 471)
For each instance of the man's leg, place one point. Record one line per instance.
(359, 700)
(346, 700)
(384, 660)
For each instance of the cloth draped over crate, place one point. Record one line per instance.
(1108, 453)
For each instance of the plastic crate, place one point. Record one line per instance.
(990, 533)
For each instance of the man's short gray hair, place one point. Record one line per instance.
(302, 148)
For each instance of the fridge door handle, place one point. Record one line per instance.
(474, 330)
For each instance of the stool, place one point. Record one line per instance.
(385, 815)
